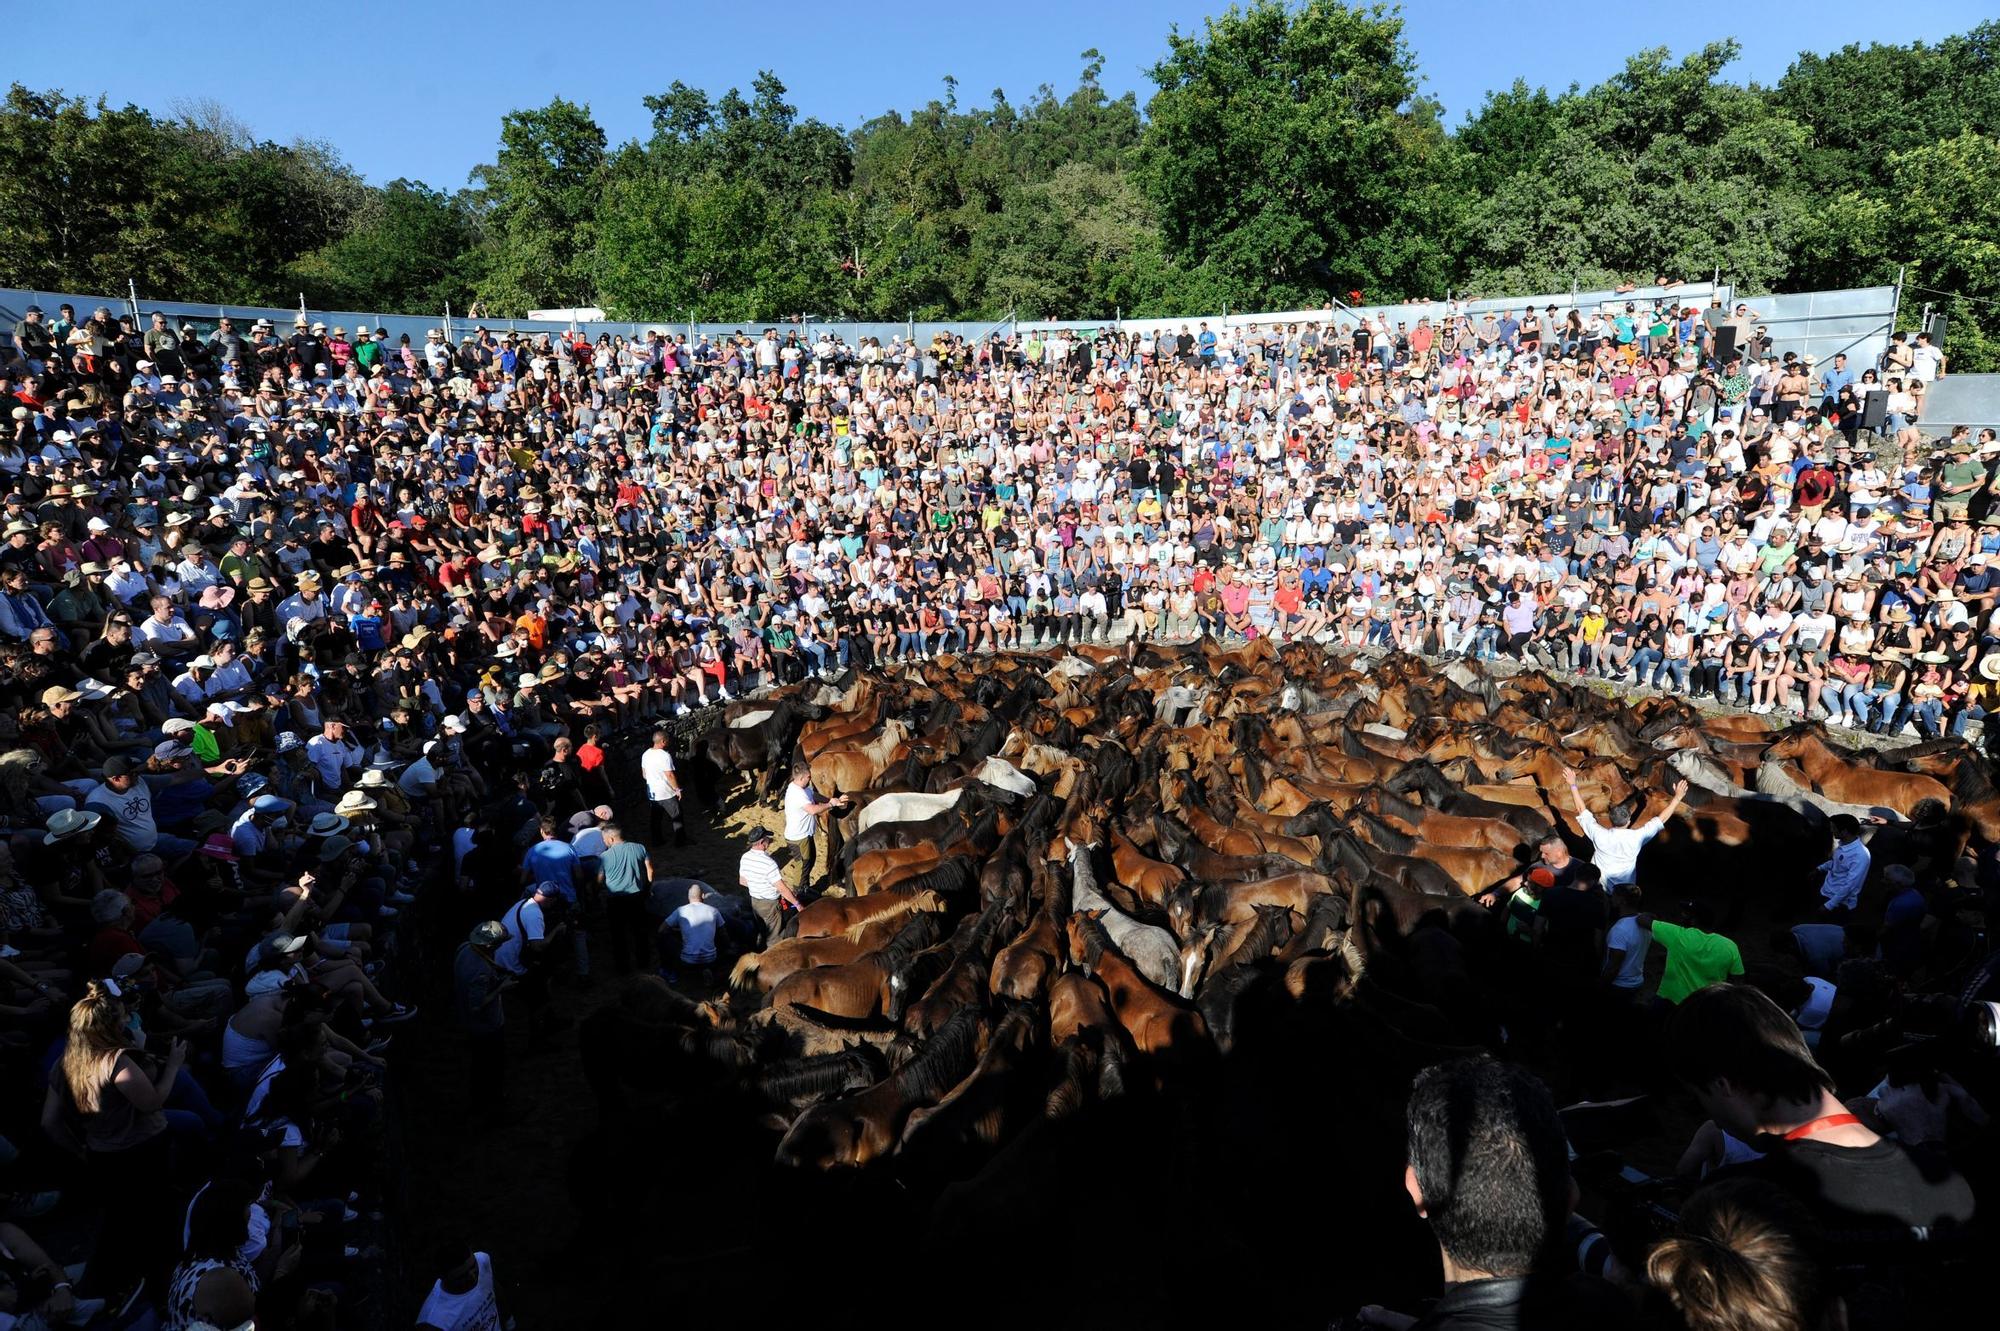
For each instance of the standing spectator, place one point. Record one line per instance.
(1615, 849)
(479, 983)
(765, 882)
(1750, 1069)
(1843, 876)
(626, 871)
(697, 922)
(663, 789)
(802, 811)
(1695, 958)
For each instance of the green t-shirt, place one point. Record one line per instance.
(1695, 960)
(624, 868)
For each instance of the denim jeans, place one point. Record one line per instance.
(1676, 668)
(1645, 664)
(1965, 717)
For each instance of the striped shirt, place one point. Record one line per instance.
(759, 872)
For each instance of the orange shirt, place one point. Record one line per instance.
(536, 627)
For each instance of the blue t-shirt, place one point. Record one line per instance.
(550, 861)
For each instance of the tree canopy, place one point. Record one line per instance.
(1288, 154)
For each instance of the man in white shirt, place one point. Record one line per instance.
(164, 632)
(663, 789)
(761, 878)
(333, 755)
(1847, 871)
(1615, 849)
(802, 813)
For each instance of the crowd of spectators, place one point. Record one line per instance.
(293, 621)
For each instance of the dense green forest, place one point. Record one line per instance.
(1287, 152)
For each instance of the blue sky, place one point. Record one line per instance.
(418, 90)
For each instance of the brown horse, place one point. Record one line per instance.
(859, 1129)
(1152, 880)
(1443, 829)
(838, 728)
(872, 867)
(757, 972)
(1245, 840)
(837, 915)
(1157, 1021)
(1026, 967)
(1078, 1003)
(1851, 783)
(844, 769)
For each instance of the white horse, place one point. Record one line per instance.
(906, 806)
(1003, 774)
(1150, 949)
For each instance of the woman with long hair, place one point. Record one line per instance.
(106, 1104)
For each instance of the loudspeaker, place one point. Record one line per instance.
(1725, 344)
(1937, 326)
(1874, 410)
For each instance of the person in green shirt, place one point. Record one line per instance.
(1959, 480)
(1695, 958)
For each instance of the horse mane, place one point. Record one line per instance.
(1384, 836)
(947, 878)
(820, 1074)
(1970, 781)
(1272, 930)
(1080, 1062)
(945, 1058)
(920, 931)
(1095, 939)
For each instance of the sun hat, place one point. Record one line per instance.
(491, 933)
(67, 823)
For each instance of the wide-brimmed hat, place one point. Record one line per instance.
(354, 802)
(1989, 666)
(67, 823)
(491, 933)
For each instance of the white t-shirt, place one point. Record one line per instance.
(800, 824)
(1626, 936)
(524, 924)
(697, 921)
(1615, 850)
(759, 873)
(475, 1310)
(657, 767)
(332, 759)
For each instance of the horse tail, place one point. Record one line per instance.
(742, 973)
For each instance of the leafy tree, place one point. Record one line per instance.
(1509, 136)
(410, 249)
(1288, 150)
(1663, 169)
(1860, 105)
(541, 196)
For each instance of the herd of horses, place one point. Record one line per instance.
(1095, 887)
(1060, 874)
